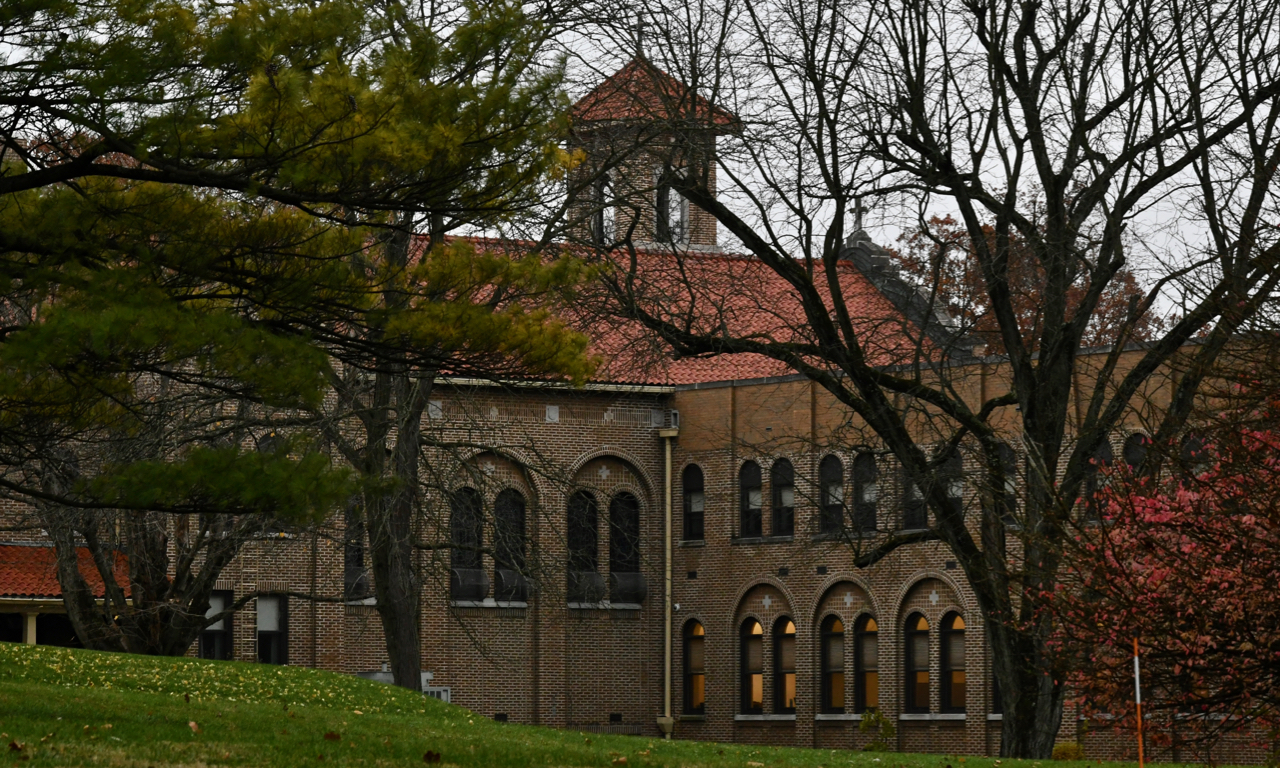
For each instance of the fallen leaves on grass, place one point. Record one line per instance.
(431, 757)
(195, 728)
(331, 736)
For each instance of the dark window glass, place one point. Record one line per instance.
(695, 669)
(752, 664)
(866, 491)
(1008, 503)
(355, 571)
(273, 629)
(917, 657)
(581, 534)
(624, 534)
(1136, 447)
(784, 667)
(695, 503)
(914, 515)
(951, 474)
(1095, 471)
(832, 652)
(508, 530)
(1194, 455)
(831, 480)
(671, 219)
(953, 673)
(215, 640)
(604, 215)
(466, 528)
(782, 477)
(750, 500)
(867, 664)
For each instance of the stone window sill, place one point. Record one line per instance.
(605, 606)
(762, 540)
(931, 716)
(363, 601)
(693, 718)
(836, 717)
(691, 543)
(995, 717)
(765, 718)
(488, 602)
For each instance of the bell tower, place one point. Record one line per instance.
(642, 132)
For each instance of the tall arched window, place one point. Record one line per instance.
(466, 527)
(467, 580)
(782, 477)
(508, 546)
(831, 480)
(914, 512)
(1098, 464)
(917, 657)
(752, 660)
(581, 532)
(695, 666)
(604, 217)
(750, 501)
(1134, 452)
(784, 666)
(832, 652)
(865, 492)
(867, 665)
(695, 502)
(1193, 454)
(1008, 505)
(508, 530)
(624, 533)
(951, 473)
(953, 676)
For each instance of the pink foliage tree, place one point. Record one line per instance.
(1189, 564)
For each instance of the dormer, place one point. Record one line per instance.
(637, 128)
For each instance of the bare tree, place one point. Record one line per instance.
(1101, 137)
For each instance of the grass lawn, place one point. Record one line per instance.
(68, 707)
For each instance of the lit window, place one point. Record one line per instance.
(784, 667)
(865, 492)
(832, 639)
(752, 668)
(867, 663)
(273, 630)
(953, 674)
(215, 640)
(917, 655)
(750, 500)
(782, 477)
(695, 502)
(831, 478)
(695, 676)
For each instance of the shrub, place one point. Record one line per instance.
(1071, 751)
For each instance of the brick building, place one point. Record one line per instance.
(756, 482)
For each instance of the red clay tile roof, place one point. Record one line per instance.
(31, 572)
(720, 293)
(736, 296)
(642, 92)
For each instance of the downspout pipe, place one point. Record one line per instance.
(666, 723)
